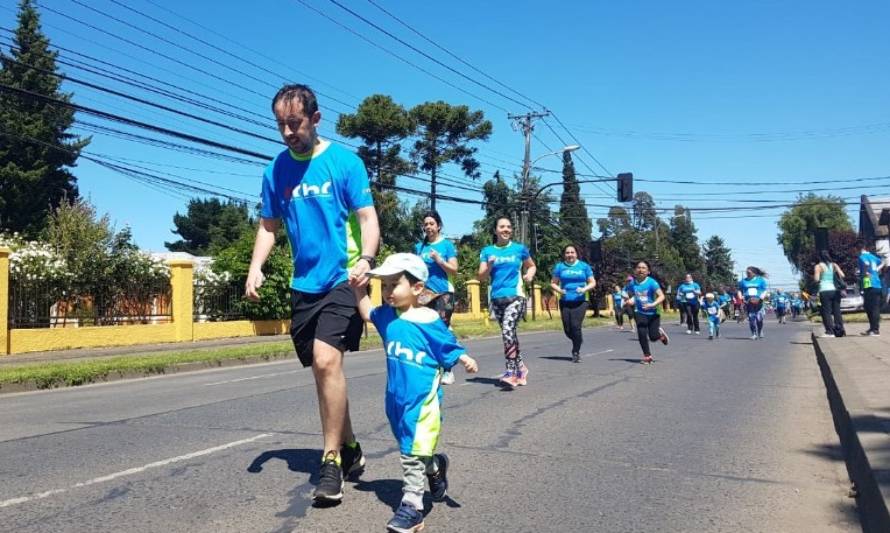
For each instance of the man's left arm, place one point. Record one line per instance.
(370, 227)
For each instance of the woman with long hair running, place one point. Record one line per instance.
(646, 295)
(440, 257)
(572, 278)
(753, 289)
(502, 263)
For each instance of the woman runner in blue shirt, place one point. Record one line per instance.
(502, 264)
(646, 295)
(753, 289)
(572, 279)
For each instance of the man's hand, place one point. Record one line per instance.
(358, 276)
(469, 364)
(528, 278)
(255, 279)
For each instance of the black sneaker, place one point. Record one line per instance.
(439, 480)
(330, 482)
(576, 357)
(352, 461)
(406, 520)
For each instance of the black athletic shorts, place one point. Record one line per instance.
(331, 317)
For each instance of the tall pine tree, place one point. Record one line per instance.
(573, 218)
(36, 149)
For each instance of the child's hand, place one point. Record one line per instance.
(469, 364)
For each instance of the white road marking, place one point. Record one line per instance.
(131, 471)
(261, 376)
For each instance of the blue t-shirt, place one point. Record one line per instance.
(506, 280)
(712, 309)
(724, 298)
(868, 271)
(689, 292)
(644, 292)
(439, 280)
(618, 300)
(419, 347)
(571, 277)
(781, 300)
(755, 287)
(316, 197)
(797, 303)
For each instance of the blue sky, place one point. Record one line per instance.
(701, 91)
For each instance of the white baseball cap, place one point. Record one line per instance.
(402, 262)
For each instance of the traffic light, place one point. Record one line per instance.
(596, 252)
(625, 187)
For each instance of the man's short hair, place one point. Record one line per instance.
(860, 244)
(297, 91)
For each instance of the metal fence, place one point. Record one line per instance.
(216, 302)
(35, 304)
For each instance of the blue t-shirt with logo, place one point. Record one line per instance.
(644, 292)
(796, 303)
(571, 277)
(506, 280)
(753, 288)
(712, 309)
(618, 300)
(868, 271)
(316, 197)
(419, 348)
(781, 300)
(689, 292)
(439, 280)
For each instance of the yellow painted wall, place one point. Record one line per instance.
(45, 339)
(239, 328)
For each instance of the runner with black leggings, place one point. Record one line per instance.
(572, 278)
(646, 295)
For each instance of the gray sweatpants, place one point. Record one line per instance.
(414, 469)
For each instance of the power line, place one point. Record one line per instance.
(400, 58)
(424, 54)
(583, 147)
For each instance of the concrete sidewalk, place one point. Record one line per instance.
(114, 351)
(856, 371)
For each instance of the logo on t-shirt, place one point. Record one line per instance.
(304, 190)
(395, 349)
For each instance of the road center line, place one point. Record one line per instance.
(261, 376)
(131, 471)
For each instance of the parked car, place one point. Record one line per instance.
(852, 302)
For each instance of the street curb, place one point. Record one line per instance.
(873, 510)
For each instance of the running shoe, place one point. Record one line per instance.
(352, 461)
(753, 337)
(439, 480)
(576, 357)
(330, 482)
(663, 336)
(761, 335)
(826, 335)
(521, 375)
(874, 334)
(406, 520)
(508, 378)
(865, 333)
(646, 360)
(698, 332)
(689, 332)
(448, 378)
(710, 337)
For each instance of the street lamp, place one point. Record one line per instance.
(523, 223)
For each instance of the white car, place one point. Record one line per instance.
(852, 302)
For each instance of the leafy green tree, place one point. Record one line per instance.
(684, 239)
(798, 225)
(616, 221)
(499, 200)
(37, 149)
(841, 244)
(209, 225)
(383, 125)
(643, 214)
(444, 136)
(573, 217)
(718, 264)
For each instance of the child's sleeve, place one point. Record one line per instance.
(382, 316)
(446, 349)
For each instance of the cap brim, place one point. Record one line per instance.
(384, 271)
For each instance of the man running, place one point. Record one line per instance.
(321, 192)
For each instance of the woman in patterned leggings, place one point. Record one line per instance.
(502, 263)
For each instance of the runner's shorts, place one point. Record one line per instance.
(331, 317)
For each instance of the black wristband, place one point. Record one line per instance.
(372, 262)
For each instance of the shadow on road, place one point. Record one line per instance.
(638, 361)
(555, 357)
(298, 460)
(490, 381)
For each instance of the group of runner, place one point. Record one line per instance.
(321, 193)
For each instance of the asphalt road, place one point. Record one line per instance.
(732, 435)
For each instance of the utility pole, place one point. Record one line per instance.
(525, 123)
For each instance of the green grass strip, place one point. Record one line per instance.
(79, 372)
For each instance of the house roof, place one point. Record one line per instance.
(878, 212)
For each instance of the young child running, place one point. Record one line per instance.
(419, 349)
(712, 309)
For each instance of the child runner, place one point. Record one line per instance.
(646, 295)
(618, 298)
(753, 289)
(712, 310)
(419, 348)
